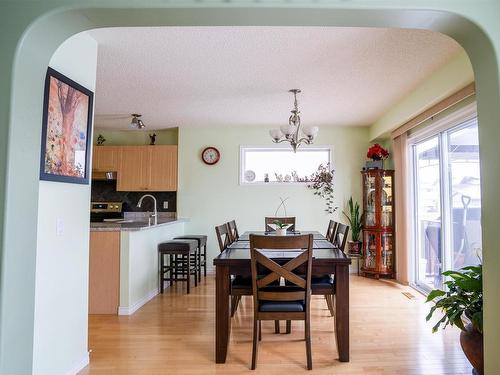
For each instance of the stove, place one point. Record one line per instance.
(106, 211)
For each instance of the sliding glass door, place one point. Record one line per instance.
(446, 202)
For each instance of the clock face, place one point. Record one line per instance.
(210, 155)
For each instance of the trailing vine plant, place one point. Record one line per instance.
(321, 182)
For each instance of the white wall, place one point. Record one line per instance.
(211, 195)
(61, 294)
(139, 264)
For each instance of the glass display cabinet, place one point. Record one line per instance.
(378, 208)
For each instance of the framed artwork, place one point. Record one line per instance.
(66, 130)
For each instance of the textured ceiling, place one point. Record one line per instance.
(219, 76)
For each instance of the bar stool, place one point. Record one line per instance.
(180, 252)
(202, 256)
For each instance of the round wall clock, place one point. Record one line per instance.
(210, 155)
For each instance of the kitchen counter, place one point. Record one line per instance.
(133, 225)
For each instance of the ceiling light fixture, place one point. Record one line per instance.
(290, 133)
(136, 122)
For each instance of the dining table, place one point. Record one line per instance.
(235, 260)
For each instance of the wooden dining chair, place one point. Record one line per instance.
(240, 285)
(284, 220)
(223, 236)
(340, 236)
(233, 230)
(275, 302)
(332, 229)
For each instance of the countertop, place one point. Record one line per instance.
(132, 226)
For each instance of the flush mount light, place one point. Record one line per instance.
(136, 122)
(290, 133)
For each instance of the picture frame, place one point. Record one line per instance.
(66, 130)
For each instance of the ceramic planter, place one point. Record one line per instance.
(472, 345)
(281, 231)
(354, 247)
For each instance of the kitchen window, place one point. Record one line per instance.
(279, 165)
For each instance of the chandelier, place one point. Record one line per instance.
(290, 133)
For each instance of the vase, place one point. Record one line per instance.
(281, 231)
(472, 345)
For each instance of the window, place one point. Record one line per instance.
(273, 165)
(446, 201)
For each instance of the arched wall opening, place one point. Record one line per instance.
(43, 29)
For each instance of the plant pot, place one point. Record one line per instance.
(281, 231)
(472, 345)
(354, 248)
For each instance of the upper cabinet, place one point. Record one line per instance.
(148, 168)
(106, 158)
(163, 168)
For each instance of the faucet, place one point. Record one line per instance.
(155, 212)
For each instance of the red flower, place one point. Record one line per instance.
(377, 152)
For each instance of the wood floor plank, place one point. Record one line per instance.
(174, 334)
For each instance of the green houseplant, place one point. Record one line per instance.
(354, 218)
(280, 228)
(464, 299)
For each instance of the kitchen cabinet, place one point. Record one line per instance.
(104, 272)
(106, 158)
(148, 168)
(133, 174)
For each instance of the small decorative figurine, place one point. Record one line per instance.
(266, 177)
(152, 137)
(100, 139)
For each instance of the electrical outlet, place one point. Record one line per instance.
(165, 205)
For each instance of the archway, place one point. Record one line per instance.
(36, 33)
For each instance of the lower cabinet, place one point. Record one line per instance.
(104, 272)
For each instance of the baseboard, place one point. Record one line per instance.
(136, 306)
(80, 365)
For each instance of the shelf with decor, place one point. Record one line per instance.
(378, 235)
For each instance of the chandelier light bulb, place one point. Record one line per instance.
(310, 131)
(275, 134)
(287, 130)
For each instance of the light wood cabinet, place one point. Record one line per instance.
(106, 158)
(163, 168)
(133, 174)
(148, 168)
(104, 272)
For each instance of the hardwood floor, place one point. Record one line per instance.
(174, 334)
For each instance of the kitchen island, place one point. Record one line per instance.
(124, 263)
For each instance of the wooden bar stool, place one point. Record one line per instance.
(180, 266)
(202, 256)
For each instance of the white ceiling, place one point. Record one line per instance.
(219, 76)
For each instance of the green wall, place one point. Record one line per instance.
(31, 31)
(450, 78)
(211, 195)
(137, 137)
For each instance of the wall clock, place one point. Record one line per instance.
(210, 155)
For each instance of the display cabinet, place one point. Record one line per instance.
(378, 223)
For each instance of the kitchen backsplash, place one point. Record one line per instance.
(105, 191)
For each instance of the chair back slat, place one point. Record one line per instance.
(332, 230)
(260, 248)
(233, 230)
(223, 236)
(340, 237)
(282, 296)
(284, 220)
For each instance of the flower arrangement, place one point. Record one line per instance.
(321, 182)
(377, 152)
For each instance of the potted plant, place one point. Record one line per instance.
(463, 298)
(354, 218)
(377, 154)
(321, 182)
(280, 228)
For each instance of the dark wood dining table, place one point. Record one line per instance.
(235, 260)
